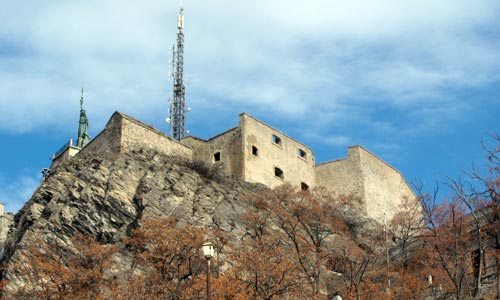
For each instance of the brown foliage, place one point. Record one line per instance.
(56, 271)
(165, 259)
(291, 233)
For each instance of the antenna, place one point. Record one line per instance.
(177, 103)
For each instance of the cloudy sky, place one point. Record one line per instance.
(416, 82)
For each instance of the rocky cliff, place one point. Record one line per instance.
(105, 195)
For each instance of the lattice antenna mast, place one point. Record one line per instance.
(178, 102)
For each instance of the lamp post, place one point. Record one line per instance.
(208, 252)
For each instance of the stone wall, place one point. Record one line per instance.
(256, 152)
(384, 187)
(109, 139)
(381, 187)
(137, 135)
(265, 149)
(342, 176)
(223, 150)
(6, 220)
(123, 133)
(67, 153)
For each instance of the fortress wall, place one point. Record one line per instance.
(384, 187)
(343, 176)
(108, 140)
(123, 133)
(6, 221)
(137, 135)
(223, 150)
(66, 155)
(260, 166)
(198, 146)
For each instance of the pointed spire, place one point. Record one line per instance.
(83, 127)
(81, 100)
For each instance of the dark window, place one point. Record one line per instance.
(278, 173)
(276, 140)
(255, 151)
(216, 156)
(304, 186)
(301, 153)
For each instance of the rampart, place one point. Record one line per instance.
(123, 133)
(385, 189)
(271, 157)
(223, 149)
(381, 187)
(255, 152)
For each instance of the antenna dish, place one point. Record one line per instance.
(189, 109)
(167, 120)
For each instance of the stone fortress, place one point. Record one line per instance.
(255, 152)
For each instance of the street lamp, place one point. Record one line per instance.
(208, 252)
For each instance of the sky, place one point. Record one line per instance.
(415, 82)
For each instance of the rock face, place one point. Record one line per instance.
(105, 195)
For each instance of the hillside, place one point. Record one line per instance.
(130, 226)
(105, 195)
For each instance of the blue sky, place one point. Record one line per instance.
(415, 82)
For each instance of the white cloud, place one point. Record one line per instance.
(16, 191)
(326, 61)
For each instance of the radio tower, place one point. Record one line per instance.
(177, 103)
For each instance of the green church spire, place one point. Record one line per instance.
(83, 128)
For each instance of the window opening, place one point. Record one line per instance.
(278, 173)
(255, 151)
(304, 186)
(276, 140)
(217, 157)
(302, 153)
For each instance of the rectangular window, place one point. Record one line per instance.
(255, 151)
(278, 173)
(217, 157)
(276, 140)
(302, 153)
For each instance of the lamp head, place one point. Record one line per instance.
(208, 250)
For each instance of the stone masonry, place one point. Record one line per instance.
(255, 152)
